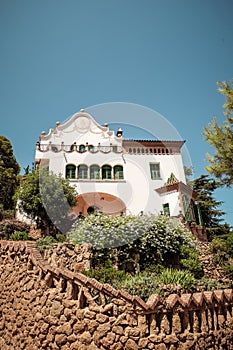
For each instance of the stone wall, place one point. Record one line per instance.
(48, 307)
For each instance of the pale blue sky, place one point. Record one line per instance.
(60, 56)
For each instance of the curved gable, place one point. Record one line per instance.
(81, 128)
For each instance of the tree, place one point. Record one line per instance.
(204, 186)
(221, 138)
(9, 169)
(47, 199)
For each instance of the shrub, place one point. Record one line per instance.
(228, 269)
(182, 278)
(143, 285)
(229, 244)
(8, 227)
(45, 243)
(209, 284)
(106, 231)
(19, 236)
(164, 236)
(190, 261)
(219, 248)
(61, 238)
(106, 275)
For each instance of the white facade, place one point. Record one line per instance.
(113, 174)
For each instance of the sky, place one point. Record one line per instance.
(60, 56)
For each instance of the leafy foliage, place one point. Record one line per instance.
(219, 248)
(47, 198)
(190, 261)
(45, 243)
(106, 275)
(9, 226)
(19, 236)
(143, 285)
(181, 278)
(221, 138)
(229, 243)
(151, 235)
(104, 231)
(9, 169)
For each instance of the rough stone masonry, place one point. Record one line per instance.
(44, 306)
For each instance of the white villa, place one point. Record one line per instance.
(114, 175)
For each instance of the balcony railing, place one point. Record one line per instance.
(42, 147)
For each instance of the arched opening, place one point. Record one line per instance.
(70, 171)
(104, 202)
(82, 171)
(106, 172)
(118, 172)
(82, 148)
(92, 209)
(94, 172)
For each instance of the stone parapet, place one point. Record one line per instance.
(45, 306)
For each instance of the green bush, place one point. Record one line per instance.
(229, 244)
(190, 261)
(209, 284)
(19, 236)
(45, 243)
(61, 238)
(9, 226)
(143, 285)
(106, 275)
(219, 248)
(228, 269)
(218, 244)
(183, 278)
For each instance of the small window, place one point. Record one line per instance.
(106, 172)
(82, 171)
(118, 172)
(70, 171)
(82, 148)
(91, 148)
(155, 171)
(94, 172)
(186, 206)
(166, 209)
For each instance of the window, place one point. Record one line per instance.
(82, 171)
(91, 148)
(82, 148)
(155, 171)
(186, 206)
(118, 172)
(106, 172)
(166, 209)
(70, 171)
(94, 172)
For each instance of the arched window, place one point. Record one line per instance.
(91, 148)
(106, 172)
(94, 172)
(82, 171)
(70, 171)
(118, 172)
(82, 148)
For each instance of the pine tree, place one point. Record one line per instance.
(221, 138)
(204, 186)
